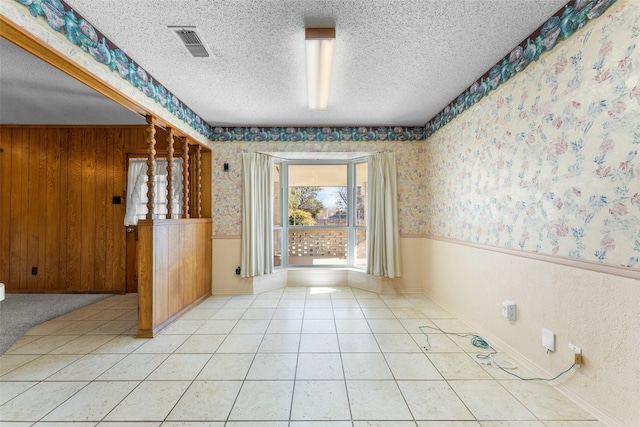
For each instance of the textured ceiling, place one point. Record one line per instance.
(34, 92)
(396, 63)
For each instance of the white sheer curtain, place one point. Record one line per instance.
(383, 237)
(257, 214)
(136, 207)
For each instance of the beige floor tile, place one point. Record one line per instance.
(83, 344)
(114, 327)
(10, 389)
(134, 367)
(162, 344)
(377, 400)
(9, 362)
(413, 325)
(397, 343)
(256, 424)
(226, 367)
(263, 401)
(110, 314)
(239, 302)
(581, 423)
(545, 402)
(214, 302)
(49, 327)
(358, 343)
(371, 303)
(352, 326)
(289, 313)
(348, 313)
(265, 303)
(201, 344)
(206, 400)
(273, 366)
(365, 366)
(320, 424)
(318, 326)
(449, 424)
(121, 345)
(411, 366)
(93, 402)
(378, 313)
(64, 424)
(386, 326)
(126, 424)
(291, 303)
(317, 303)
(280, 343)
(285, 326)
(259, 313)
(319, 366)
(40, 368)
(80, 327)
(48, 396)
(457, 366)
(251, 326)
(436, 343)
(384, 424)
(217, 326)
(150, 401)
(319, 343)
(241, 343)
(488, 400)
(453, 326)
(344, 303)
(228, 314)
(179, 367)
(183, 326)
(199, 313)
(409, 313)
(516, 424)
(320, 400)
(23, 340)
(433, 400)
(436, 312)
(87, 368)
(318, 313)
(43, 345)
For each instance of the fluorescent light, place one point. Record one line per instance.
(319, 46)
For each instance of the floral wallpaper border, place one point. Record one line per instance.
(319, 134)
(561, 26)
(62, 18)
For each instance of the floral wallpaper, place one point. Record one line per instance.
(227, 186)
(549, 161)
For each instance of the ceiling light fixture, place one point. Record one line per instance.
(319, 47)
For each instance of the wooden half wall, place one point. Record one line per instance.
(174, 270)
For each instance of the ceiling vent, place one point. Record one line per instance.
(192, 41)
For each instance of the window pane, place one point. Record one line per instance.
(317, 195)
(277, 250)
(361, 247)
(361, 194)
(320, 246)
(276, 194)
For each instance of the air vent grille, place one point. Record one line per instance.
(192, 41)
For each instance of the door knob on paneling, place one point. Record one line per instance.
(129, 230)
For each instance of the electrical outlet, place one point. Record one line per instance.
(548, 340)
(577, 354)
(509, 309)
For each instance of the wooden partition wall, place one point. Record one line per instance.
(174, 270)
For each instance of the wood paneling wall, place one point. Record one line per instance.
(56, 212)
(174, 270)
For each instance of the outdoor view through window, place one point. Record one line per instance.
(326, 214)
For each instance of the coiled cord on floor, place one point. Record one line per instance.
(479, 342)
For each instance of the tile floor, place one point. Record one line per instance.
(293, 357)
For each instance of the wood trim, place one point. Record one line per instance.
(198, 213)
(186, 212)
(170, 151)
(554, 259)
(27, 41)
(151, 164)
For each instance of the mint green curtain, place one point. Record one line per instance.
(383, 236)
(257, 214)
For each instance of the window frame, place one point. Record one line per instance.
(351, 226)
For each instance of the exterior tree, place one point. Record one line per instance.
(304, 199)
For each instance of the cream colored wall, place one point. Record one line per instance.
(226, 257)
(595, 311)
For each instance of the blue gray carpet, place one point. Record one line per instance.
(21, 312)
